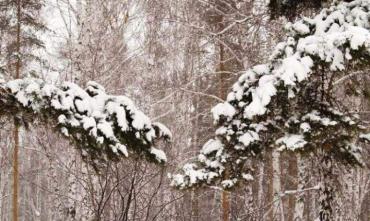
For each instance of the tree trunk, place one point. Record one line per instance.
(225, 205)
(16, 127)
(291, 184)
(195, 205)
(300, 202)
(15, 172)
(261, 190)
(327, 189)
(225, 197)
(278, 210)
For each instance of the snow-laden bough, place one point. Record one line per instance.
(102, 126)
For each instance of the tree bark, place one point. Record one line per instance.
(278, 210)
(15, 172)
(327, 189)
(225, 205)
(300, 202)
(225, 197)
(16, 127)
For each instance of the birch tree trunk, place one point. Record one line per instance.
(261, 192)
(278, 207)
(300, 199)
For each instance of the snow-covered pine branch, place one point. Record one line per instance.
(286, 103)
(102, 126)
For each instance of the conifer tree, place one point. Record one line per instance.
(19, 26)
(20, 17)
(292, 8)
(290, 104)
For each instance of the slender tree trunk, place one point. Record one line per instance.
(195, 193)
(16, 127)
(300, 202)
(195, 122)
(327, 189)
(291, 183)
(195, 205)
(249, 197)
(261, 190)
(15, 172)
(278, 210)
(225, 205)
(225, 197)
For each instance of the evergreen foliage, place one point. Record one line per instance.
(289, 103)
(102, 126)
(292, 8)
(31, 26)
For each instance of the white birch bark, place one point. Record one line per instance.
(300, 200)
(278, 210)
